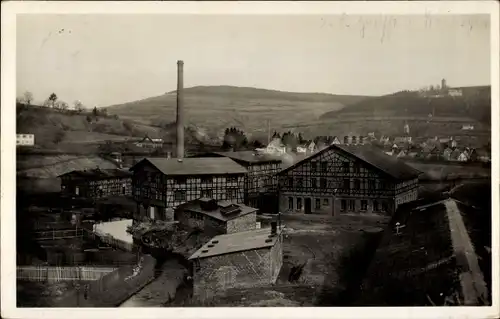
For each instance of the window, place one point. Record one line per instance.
(364, 205)
(325, 202)
(313, 183)
(179, 195)
(207, 179)
(290, 203)
(232, 193)
(299, 203)
(299, 182)
(206, 193)
(347, 184)
(324, 166)
(181, 180)
(314, 166)
(318, 203)
(346, 139)
(322, 182)
(343, 205)
(384, 206)
(375, 206)
(357, 168)
(345, 167)
(357, 184)
(232, 179)
(371, 184)
(352, 205)
(290, 181)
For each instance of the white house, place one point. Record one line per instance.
(464, 157)
(25, 139)
(275, 147)
(336, 140)
(467, 127)
(455, 92)
(301, 149)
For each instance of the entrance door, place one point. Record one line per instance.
(307, 205)
(152, 212)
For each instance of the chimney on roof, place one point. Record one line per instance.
(180, 109)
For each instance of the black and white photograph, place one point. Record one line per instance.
(213, 157)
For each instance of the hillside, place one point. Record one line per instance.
(475, 103)
(388, 114)
(217, 107)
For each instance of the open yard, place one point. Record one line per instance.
(322, 258)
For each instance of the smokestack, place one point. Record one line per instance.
(180, 109)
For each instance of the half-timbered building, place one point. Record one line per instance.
(96, 183)
(346, 178)
(262, 179)
(160, 184)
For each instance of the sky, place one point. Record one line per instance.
(102, 60)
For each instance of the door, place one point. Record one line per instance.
(307, 205)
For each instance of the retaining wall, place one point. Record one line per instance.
(55, 274)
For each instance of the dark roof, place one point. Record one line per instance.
(195, 206)
(194, 166)
(99, 173)
(390, 165)
(236, 242)
(250, 157)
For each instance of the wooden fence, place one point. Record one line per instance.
(59, 234)
(55, 274)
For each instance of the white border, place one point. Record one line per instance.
(8, 23)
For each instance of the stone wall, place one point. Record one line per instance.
(276, 259)
(243, 223)
(246, 269)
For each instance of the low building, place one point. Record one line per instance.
(160, 184)
(238, 260)
(343, 178)
(148, 142)
(25, 139)
(216, 217)
(96, 183)
(467, 127)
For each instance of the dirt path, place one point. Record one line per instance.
(473, 285)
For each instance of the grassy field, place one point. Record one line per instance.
(444, 171)
(218, 107)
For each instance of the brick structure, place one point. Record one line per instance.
(97, 183)
(160, 184)
(216, 217)
(347, 179)
(239, 260)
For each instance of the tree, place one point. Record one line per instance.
(103, 111)
(95, 112)
(52, 99)
(78, 106)
(28, 97)
(89, 119)
(58, 137)
(61, 105)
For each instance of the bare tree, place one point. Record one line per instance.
(28, 97)
(79, 106)
(61, 105)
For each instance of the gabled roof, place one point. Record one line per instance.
(249, 157)
(99, 173)
(196, 206)
(389, 165)
(236, 242)
(194, 166)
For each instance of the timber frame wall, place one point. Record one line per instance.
(338, 182)
(262, 179)
(96, 188)
(156, 193)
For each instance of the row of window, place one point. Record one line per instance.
(346, 183)
(231, 193)
(183, 179)
(323, 166)
(317, 203)
(350, 205)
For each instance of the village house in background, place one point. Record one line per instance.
(148, 142)
(216, 217)
(96, 183)
(25, 139)
(160, 184)
(344, 178)
(262, 182)
(239, 260)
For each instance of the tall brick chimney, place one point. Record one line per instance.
(180, 110)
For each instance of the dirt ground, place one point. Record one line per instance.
(324, 246)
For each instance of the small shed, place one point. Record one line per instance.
(239, 260)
